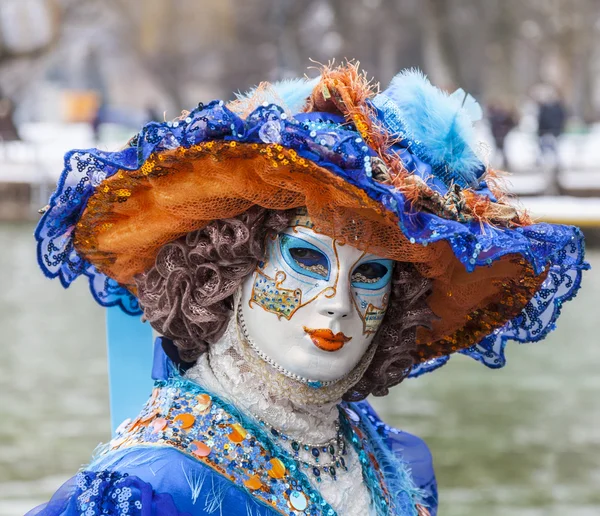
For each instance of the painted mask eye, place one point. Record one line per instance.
(372, 275)
(310, 259)
(304, 258)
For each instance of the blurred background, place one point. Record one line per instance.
(523, 440)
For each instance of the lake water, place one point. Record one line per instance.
(523, 440)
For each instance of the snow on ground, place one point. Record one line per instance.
(44, 145)
(39, 157)
(580, 211)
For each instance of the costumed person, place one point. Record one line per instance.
(300, 248)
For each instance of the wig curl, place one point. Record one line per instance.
(187, 295)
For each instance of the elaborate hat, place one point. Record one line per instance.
(396, 172)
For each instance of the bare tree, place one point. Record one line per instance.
(28, 32)
(439, 56)
(190, 50)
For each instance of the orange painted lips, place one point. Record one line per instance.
(326, 340)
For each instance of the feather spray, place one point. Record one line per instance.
(438, 125)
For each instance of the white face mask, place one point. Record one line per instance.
(315, 304)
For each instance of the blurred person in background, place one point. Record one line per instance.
(8, 129)
(551, 118)
(502, 121)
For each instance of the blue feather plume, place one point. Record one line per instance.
(293, 93)
(439, 125)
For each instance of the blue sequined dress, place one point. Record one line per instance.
(190, 453)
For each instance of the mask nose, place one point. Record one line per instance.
(336, 304)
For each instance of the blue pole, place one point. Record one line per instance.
(129, 344)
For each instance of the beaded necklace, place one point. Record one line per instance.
(335, 449)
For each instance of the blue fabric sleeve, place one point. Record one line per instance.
(150, 481)
(92, 493)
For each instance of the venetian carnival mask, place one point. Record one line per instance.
(314, 305)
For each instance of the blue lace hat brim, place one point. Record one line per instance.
(555, 252)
